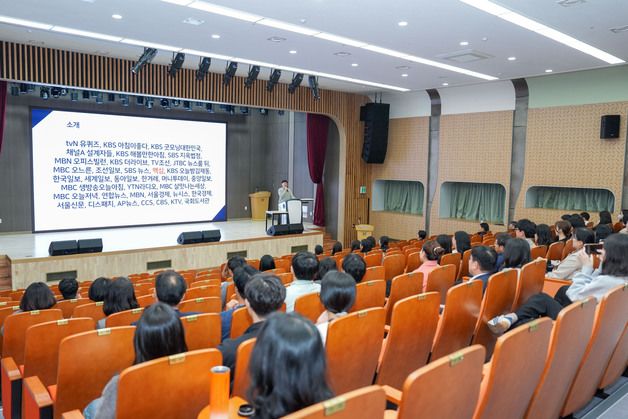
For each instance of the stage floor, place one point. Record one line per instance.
(35, 245)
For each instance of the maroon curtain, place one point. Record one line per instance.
(3, 108)
(317, 127)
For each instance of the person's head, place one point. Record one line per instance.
(615, 262)
(461, 241)
(582, 236)
(543, 235)
(422, 234)
(355, 245)
(324, 266)
(372, 240)
(577, 221)
(445, 242)
(98, 289)
(266, 263)
(482, 260)
(602, 231)
(516, 253)
(68, 288)
(337, 248)
(565, 217)
(120, 297)
(585, 215)
(338, 292)
(288, 367)
(159, 333)
(384, 242)
(367, 246)
(500, 241)
(525, 229)
(512, 225)
(355, 266)
(485, 227)
(605, 217)
(318, 250)
(305, 266)
(284, 183)
(431, 250)
(37, 296)
(235, 262)
(264, 294)
(623, 216)
(241, 277)
(563, 229)
(170, 287)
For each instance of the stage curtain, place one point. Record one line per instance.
(3, 108)
(403, 196)
(477, 201)
(573, 199)
(317, 129)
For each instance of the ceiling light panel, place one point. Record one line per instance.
(223, 11)
(86, 34)
(23, 22)
(277, 24)
(150, 45)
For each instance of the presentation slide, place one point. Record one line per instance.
(101, 170)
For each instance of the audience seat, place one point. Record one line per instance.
(5, 311)
(394, 265)
(447, 388)
(441, 279)
(286, 278)
(241, 378)
(555, 251)
(364, 403)
(514, 372)
(567, 249)
(413, 261)
(124, 318)
(309, 306)
(202, 331)
(202, 291)
(618, 362)
(15, 328)
(240, 321)
(373, 259)
(254, 263)
(530, 281)
(452, 259)
(538, 252)
(146, 300)
(464, 264)
(92, 310)
(551, 285)
(205, 281)
(369, 294)
(374, 273)
(202, 305)
(402, 286)
(458, 320)
(283, 264)
(67, 306)
(16, 295)
(353, 347)
(409, 341)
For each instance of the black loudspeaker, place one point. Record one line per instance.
(64, 247)
(189, 237)
(610, 126)
(295, 228)
(279, 230)
(375, 117)
(90, 246)
(210, 236)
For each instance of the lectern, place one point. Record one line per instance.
(259, 204)
(364, 230)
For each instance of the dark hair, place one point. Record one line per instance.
(463, 241)
(615, 251)
(485, 227)
(355, 266)
(528, 228)
(120, 297)
(338, 292)
(336, 248)
(577, 221)
(288, 367)
(516, 253)
(284, 181)
(355, 245)
(372, 240)
(605, 217)
(241, 277)
(502, 238)
(68, 288)
(98, 289)
(445, 243)
(367, 246)
(235, 262)
(585, 215)
(305, 266)
(324, 266)
(433, 250)
(602, 231)
(170, 287)
(383, 242)
(159, 333)
(565, 217)
(485, 257)
(584, 235)
(564, 226)
(265, 294)
(318, 250)
(543, 235)
(422, 234)
(266, 263)
(37, 296)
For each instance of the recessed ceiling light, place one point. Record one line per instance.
(404, 75)
(512, 58)
(276, 39)
(354, 64)
(445, 84)
(193, 21)
(549, 70)
(293, 51)
(464, 43)
(403, 67)
(116, 16)
(402, 23)
(215, 36)
(342, 54)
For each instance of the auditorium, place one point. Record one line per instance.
(313, 209)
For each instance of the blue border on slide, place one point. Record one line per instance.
(38, 115)
(221, 215)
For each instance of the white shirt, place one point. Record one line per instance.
(284, 194)
(297, 288)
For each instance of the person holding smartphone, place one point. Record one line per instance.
(572, 264)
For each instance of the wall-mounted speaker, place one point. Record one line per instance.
(375, 117)
(63, 247)
(190, 237)
(609, 128)
(90, 246)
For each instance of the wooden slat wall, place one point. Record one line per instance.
(5, 272)
(28, 63)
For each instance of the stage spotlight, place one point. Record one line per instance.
(176, 103)
(295, 83)
(23, 88)
(74, 96)
(263, 111)
(124, 100)
(85, 94)
(203, 68)
(244, 110)
(253, 73)
(177, 62)
(55, 92)
(149, 103)
(273, 80)
(99, 98)
(146, 57)
(64, 91)
(280, 112)
(139, 100)
(230, 71)
(187, 105)
(44, 93)
(313, 82)
(165, 103)
(30, 88)
(228, 108)
(209, 107)
(111, 97)
(15, 90)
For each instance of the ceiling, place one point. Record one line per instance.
(434, 28)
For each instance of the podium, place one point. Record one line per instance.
(364, 230)
(259, 204)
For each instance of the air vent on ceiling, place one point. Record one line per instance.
(465, 56)
(619, 29)
(193, 21)
(567, 3)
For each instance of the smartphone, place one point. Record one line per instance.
(593, 249)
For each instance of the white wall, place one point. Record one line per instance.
(406, 105)
(484, 97)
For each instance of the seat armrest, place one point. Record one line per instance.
(392, 394)
(10, 368)
(73, 414)
(35, 393)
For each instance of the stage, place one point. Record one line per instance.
(131, 250)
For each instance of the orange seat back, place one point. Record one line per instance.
(403, 286)
(498, 298)
(202, 331)
(464, 264)
(458, 320)
(569, 340)
(449, 386)
(353, 347)
(530, 281)
(551, 285)
(407, 346)
(6, 309)
(440, 280)
(67, 306)
(124, 318)
(240, 321)
(309, 306)
(92, 310)
(617, 364)
(201, 305)
(369, 294)
(202, 291)
(555, 251)
(286, 278)
(254, 263)
(374, 273)
(146, 300)
(452, 259)
(365, 403)
(373, 259)
(567, 249)
(413, 261)
(283, 264)
(15, 328)
(146, 391)
(394, 264)
(205, 281)
(241, 377)
(538, 252)
(515, 370)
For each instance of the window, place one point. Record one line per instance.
(473, 201)
(581, 199)
(402, 196)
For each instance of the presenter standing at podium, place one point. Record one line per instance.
(285, 194)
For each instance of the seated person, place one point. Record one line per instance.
(241, 277)
(318, 250)
(304, 267)
(120, 297)
(159, 333)
(170, 289)
(587, 219)
(384, 243)
(38, 296)
(337, 295)
(516, 254)
(526, 230)
(69, 288)
(266, 263)
(563, 230)
(263, 295)
(613, 272)
(337, 248)
(482, 264)
(602, 232)
(577, 221)
(606, 218)
(367, 246)
(355, 245)
(461, 242)
(430, 255)
(543, 236)
(355, 266)
(288, 367)
(485, 229)
(568, 267)
(324, 266)
(98, 289)
(500, 245)
(227, 272)
(422, 234)
(445, 242)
